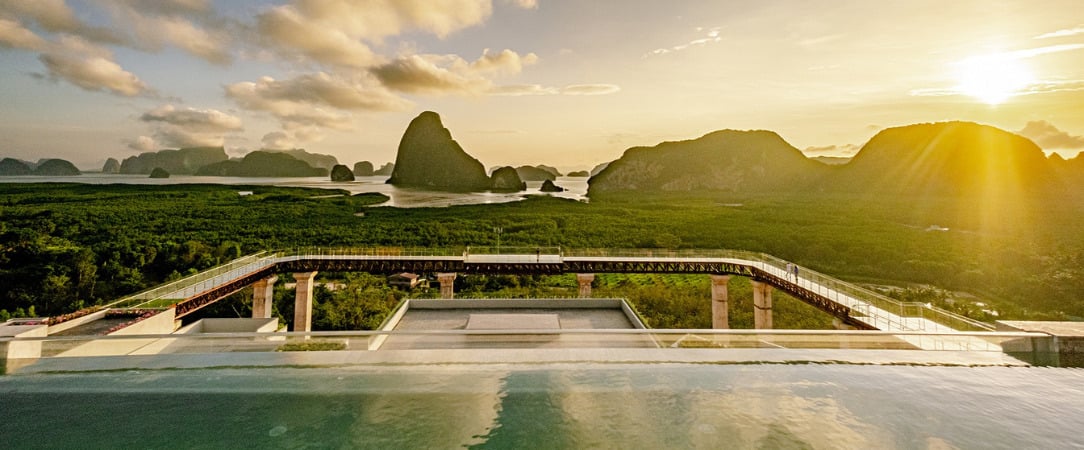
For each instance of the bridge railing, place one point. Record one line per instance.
(879, 310)
(375, 252)
(168, 293)
(875, 305)
(509, 250)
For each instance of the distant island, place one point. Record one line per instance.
(45, 167)
(429, 158)
(263, 164)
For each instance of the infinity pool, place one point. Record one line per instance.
(549, 406)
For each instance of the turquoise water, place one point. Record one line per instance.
(549, 406)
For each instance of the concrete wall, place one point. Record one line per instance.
(390, 323)
(161, 323)
(53, 329)
(243, 325)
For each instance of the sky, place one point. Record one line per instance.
(567, 83)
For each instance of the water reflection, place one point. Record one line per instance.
(550, 406)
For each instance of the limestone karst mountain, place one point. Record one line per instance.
(263, 164)
(507, 179)
(428, 157)
(56, 168)
(727, 160)
(185, 161)
(537, 173)
(946, 158)
(341, 173)
(111, 166)
(363, 169)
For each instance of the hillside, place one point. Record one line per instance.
(317, 160)
(183, 161)
(728, 160)
(263, 164)
(56, 168)
(946, 158)
(536, 173)
(429, 158)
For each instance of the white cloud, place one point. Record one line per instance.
(314, 100)
(590, 89)
(90, 67)
(711, 36)
(1062, 33)
(516, 90)
(55, 16)
(200, 120)
(156, 30)
(340, 32)
(14, 35)
(278, 140)
(449, 74)
(525, 4)
(191, 127)
(142, 144)
(845, 150)
(1049, 137)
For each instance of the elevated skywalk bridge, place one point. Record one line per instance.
(851, 304)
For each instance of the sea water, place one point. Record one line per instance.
(549, 406)
(575, 188)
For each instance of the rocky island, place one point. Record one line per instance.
(429, 158)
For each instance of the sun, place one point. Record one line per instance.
(993, 78)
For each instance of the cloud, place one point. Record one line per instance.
(418, 74)
(55, 16)
(201, 120)
(314, 100)
(525, 4)
(142, 144)
(590, 89)
(517, 90)
(845, 150)
(278, 140)
(712, 36)
(340, 32)
(449, 74)
(1049, 137)
(90, 67)
(14, 35)
(505, 62)
(174, 23)
(1062, 33)
(191, 127)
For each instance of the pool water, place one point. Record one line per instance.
(549, 406)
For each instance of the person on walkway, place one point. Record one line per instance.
(790, 269)
(795, 272)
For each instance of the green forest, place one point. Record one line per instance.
(68, 246)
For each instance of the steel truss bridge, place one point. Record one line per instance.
(851, 304)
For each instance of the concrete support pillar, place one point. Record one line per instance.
(263, 292)
(303, 301)
(584, 280)
(720, 313)
(762, 305)
(447, 284)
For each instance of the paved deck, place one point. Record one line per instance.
(563, 319)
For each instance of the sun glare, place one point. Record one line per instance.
(994, 78)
